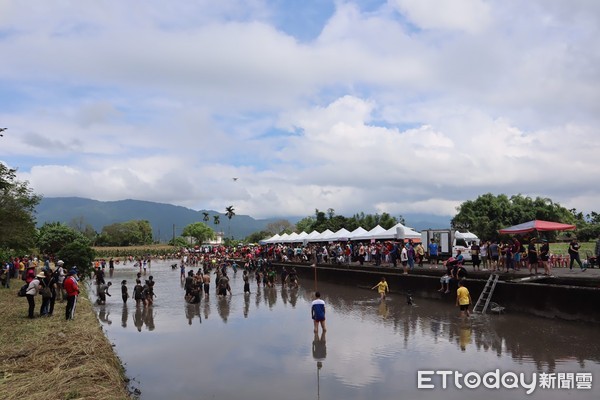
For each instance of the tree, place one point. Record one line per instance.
(65, 243)
(230, 213)
(130, 233)
(280, 226)
(258, 236)
(206, 217)
(84, 228)
(199, 231)
(217, 220)
(178, 242)
(306, 224)
(487, 214)
(17, 207)
(53, 236)
(78, 253)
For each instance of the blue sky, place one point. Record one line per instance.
(398, 106)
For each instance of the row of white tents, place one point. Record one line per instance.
(397, 232)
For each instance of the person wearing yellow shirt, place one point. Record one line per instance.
(382, 288)
(463, 299)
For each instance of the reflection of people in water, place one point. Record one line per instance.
(103, 316)
(223, 307)
(148, 315)
(293, 296)
(206, 309)
(383, 309)
(284, 294)
(192, 310)
(138, 318)
(246, 304)
(319, 347)
(465, 335)
(271, 294)
(246, 282)
(124, 316)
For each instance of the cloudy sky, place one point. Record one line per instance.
(397, 106)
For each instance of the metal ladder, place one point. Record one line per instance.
(486, 295)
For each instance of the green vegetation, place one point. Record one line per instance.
(50, 358)
(17, 205)
(323, 221)
(487, 214)
(199, 231)
(130, 233)
(62, 242)
(158, 250)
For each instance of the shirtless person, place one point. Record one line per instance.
(206, 280)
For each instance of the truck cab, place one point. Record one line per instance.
(450, 242)
(463, 241)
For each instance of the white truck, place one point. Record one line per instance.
(449, 242)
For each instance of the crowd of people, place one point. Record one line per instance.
(56, 283)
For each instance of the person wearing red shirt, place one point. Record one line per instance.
(72, 290)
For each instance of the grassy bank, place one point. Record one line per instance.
(51, 358)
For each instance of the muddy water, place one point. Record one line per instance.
(262, 346)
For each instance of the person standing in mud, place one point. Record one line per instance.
(124, 293)
(258, 277)
(103, 292)
(150, 293)
(463, 299)
(189, 281)
(382, 288)
(206, 281)
(318, 313)
(223, 285)
(138, 293)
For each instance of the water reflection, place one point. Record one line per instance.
(223, 307)
(124, 315)
(372, 347)
(191, 311)
(104, 314)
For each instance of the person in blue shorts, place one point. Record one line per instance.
(318, 312)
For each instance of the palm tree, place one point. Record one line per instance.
(206, 217)
(216, 221)
(229, 211)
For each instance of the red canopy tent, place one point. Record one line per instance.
(537, 225)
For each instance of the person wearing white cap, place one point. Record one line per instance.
(32, 290)
(61, 275)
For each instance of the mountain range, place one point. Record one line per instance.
(168, 220)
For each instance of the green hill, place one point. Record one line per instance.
(164, 218)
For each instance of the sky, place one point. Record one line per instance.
(397, 106)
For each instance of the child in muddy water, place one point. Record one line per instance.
(318, 313)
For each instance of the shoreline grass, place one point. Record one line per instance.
(51, 358)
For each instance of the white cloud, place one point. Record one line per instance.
(471, 16)
(407, 108)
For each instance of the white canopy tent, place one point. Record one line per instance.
(370, 234)
(341, 235)
(273, 239)
(398, 231)
(357, 232)
(322, 237)
(301, 236)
